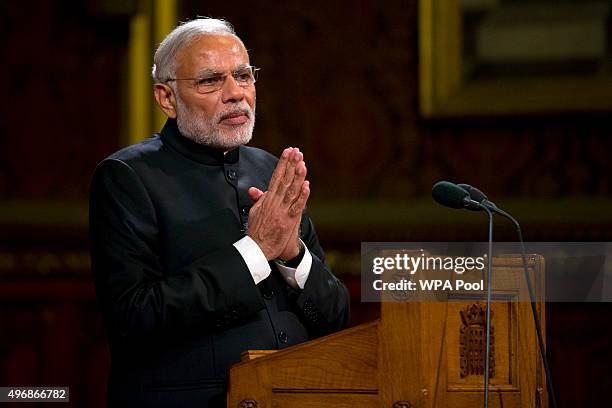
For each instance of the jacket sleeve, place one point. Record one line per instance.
(324, 301)
(141, 299)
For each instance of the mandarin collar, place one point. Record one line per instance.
(172, 137)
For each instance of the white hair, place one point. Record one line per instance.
(164, 61)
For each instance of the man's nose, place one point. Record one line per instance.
(231, 91)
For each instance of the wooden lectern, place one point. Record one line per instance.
(418, 354)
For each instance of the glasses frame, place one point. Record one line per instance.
(234, 74)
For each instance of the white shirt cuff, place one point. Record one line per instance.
(254, 258)
(296, 277)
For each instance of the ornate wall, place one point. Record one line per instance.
(338, 79)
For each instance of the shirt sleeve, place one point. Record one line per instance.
(254, 258)
(296, 277)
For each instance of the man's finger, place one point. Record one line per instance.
(294, 160)
(293, 179)
(279, 171)
(255, 193)
(299, 204)
(293, 191)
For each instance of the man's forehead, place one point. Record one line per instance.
(213, 52)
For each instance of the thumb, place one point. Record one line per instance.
(255, 193)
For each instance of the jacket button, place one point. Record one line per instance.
(282, 337)
(231, 174)
(268, 295)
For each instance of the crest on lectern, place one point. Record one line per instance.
(472, 341)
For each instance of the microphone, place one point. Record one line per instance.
(451, 195)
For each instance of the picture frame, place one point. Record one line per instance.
(446, 89)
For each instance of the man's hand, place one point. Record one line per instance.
(274, 220)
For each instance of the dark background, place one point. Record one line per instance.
(339, 80)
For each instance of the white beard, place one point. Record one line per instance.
(208, 131)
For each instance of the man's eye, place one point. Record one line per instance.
(207, 81)
(244, 75)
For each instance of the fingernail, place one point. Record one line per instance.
(285, 153)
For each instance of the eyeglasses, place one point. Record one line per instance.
(214, 81)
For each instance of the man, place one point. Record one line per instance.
(201, 246)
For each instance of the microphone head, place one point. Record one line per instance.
(475, 194)
(449, 194)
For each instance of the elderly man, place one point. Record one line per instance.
(201, 246)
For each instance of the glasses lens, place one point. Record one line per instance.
(211, 83)
(244, 76)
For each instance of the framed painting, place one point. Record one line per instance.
(514, 57)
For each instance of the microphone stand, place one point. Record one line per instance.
(477, 196)
(488, 318)
(536, 319)
(470, 203)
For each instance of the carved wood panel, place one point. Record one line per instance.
(472, 341)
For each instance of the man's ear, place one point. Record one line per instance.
(164, 95)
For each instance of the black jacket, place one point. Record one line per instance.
(178, 299)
